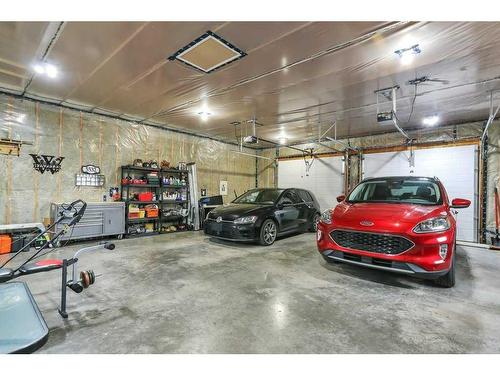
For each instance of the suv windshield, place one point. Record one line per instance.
(261, 196)
(397, 190)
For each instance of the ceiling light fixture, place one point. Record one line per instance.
(39, 69)
(430, 121)
(44, 68)
(51, 71)
(283, 140)
(204, 115)
(407, 54)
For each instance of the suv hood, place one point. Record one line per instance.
(386, 217)
(233, 211)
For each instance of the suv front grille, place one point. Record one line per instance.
(376, 243)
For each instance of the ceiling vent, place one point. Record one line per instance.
(207, 53)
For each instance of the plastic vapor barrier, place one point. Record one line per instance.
(25, 193)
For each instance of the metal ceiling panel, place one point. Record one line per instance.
(79, 50)
(273, 55)
(174, 82)
(296, 75)
(332, 80)
(19, 44)
(152, 45)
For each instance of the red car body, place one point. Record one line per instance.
(367, 233)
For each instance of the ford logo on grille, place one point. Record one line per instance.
(366, 223)
(219, 219)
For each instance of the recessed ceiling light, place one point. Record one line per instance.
(21, 117)
(430, 121)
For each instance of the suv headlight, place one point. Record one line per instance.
(436, 224)
(246, 220)
(326, 216)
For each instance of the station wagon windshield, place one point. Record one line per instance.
(262, 196)
(392, 190)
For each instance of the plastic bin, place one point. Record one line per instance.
(18, 242)
(146, 196)
(152, 212)
(136, 215)
(5, 243)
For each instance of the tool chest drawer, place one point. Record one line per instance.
(100, 219)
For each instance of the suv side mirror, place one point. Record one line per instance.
(340, 198)
(460, 203)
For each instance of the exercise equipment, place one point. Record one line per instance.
(22, 327)
(79, 281)
(18, 309)
(72, 213)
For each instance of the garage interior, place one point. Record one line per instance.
(235, 106)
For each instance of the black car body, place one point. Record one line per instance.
(275, 211)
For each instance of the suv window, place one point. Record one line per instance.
(306, 197)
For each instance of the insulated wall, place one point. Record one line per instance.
(455, 166)
(81, 138)
(493, 174)
(324, 178)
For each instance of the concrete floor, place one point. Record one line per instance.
(186, 293)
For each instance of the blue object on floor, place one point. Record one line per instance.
(22, 327)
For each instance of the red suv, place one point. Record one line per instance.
(399, 224)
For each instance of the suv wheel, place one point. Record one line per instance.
(448, 280)
(268, 232)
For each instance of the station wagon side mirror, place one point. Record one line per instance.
(340, 198)
(460, 203)
(283, 203)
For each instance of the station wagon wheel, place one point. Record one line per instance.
(314, 224)
(268, 232)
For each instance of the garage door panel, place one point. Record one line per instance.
(324, 179)
(454, 166)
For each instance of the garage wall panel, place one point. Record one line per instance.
(456, 167)
(324, 179)
(25, 194)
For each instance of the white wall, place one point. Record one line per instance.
(456, 167)
(324, 179)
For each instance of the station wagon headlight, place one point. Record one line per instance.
(326, 217)
(246, 220)
(436, 224)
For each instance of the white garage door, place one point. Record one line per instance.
(456, 167)
(324, 179)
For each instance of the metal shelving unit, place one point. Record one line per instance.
(158, 190)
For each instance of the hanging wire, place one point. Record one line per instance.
(412, 104)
